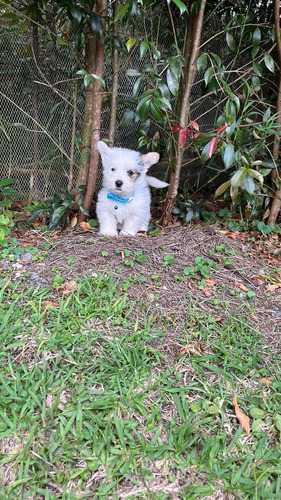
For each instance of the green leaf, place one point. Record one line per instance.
(163, 104)
(254, 51)
(233, 193)
(158, 115)
(257, 68)
(147, 68)
(6, 182)
(127, 117)
(172, 82)
(82, 72)
(270, 164)
(143, 107)
(189, 215)
(232, 96)
(75, 14)
(257, 175)
(222, 188)
(7, 191)
(202, 62)
(122, 11)
(208, 75)
(57, 217)
(257, 36)
(249, 184)
(266, 115)
(213, 85)
(84, 210)
(205, 153)
(238, 178)
(117, 42)
(180, 5)
(246, 90)
(269, 62)
(228, 155)
(257, 413)
(216, 58)
(95, 24)
(87, 80)
(137, 86)
(99, 79)
(156, 52)
(175, 64)
(143, 48)
(256, 83)
(230, 41)
(230, 112)
(164, 90)
(130, 43)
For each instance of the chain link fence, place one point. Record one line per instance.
(41, 108)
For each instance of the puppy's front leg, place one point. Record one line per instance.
(132, 226)
(108, 225)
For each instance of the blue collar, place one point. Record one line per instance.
(119, 199)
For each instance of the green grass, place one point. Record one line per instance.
(91, 406)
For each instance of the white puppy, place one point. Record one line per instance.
(123, 205)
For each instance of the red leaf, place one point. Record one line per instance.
(176, 129)
(212, 146)
(194, 125)
(182, 134)
(182, 137)
(221, 129)
(186, 132)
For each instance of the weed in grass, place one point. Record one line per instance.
(201, 267)
(168, 259)
(140, 256)
(58, 280)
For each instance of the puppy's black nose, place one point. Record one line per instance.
(118, 183)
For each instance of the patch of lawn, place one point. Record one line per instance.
(92, 407)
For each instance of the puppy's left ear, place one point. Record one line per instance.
(149, 159)
(103, 148)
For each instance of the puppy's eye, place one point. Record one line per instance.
(130, 173)
(113, 170)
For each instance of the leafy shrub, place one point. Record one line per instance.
(59, 209)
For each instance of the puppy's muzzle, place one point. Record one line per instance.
(118, 184)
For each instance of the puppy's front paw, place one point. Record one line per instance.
(108, 232)
(127, 233)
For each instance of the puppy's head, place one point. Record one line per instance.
(122, 168)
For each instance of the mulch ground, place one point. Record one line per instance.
(255, 267)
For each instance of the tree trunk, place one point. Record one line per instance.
(192, 44)
(276, 203)
(90, 58)
(95, 114)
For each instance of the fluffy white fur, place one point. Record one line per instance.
(124, 175)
